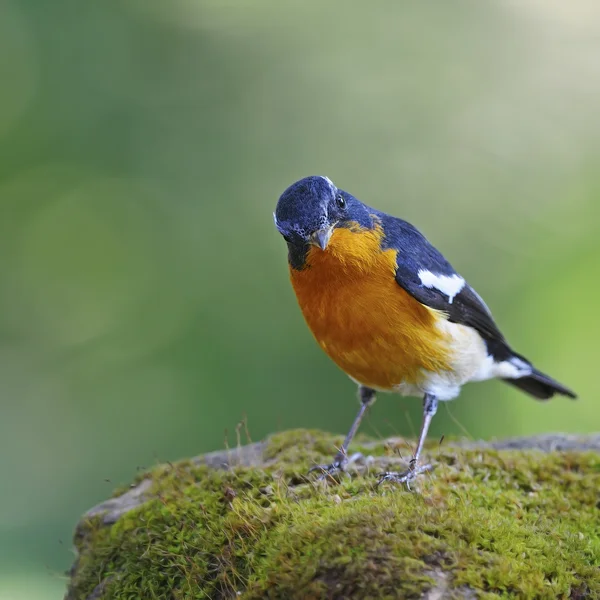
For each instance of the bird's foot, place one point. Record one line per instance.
(405, 477)
(337, 467)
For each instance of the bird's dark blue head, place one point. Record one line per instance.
(311, 209)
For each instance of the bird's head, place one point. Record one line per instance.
(310, 210)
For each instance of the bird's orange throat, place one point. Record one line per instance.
(369, 326)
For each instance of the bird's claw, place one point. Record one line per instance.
(339, 464)
(404, 477)
(329, 471)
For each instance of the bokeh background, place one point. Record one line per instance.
(145, 308)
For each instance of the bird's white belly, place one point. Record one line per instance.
(469, 361)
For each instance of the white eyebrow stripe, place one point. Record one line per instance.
(448, 285)
(329, 183)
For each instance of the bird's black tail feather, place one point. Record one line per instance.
(541, 386)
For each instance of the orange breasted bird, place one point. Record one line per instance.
(390, 310)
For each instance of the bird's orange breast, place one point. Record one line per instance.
(369, 326)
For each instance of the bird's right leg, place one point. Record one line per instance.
(367, 397)
(430, 405)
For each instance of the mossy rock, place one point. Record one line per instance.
(515, 519)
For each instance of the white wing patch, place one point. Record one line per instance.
(448, 285)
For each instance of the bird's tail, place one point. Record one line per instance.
(541, 386)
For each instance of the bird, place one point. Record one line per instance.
(388, 308)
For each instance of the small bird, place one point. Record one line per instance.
(390, 310)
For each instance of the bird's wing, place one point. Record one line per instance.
(427, 276)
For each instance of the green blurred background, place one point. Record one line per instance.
(145, 307)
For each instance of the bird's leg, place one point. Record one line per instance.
(430, 405)
(367, 397)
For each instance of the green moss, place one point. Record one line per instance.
(504, 523)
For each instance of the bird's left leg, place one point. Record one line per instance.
(430, 405)
(367, 397)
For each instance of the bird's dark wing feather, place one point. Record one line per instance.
(415, 255)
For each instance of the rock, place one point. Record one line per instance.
(515, 518)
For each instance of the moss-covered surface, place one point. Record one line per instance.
(486, 523)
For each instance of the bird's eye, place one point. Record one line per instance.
(340, 201)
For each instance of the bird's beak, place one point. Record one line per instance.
(321, 237)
